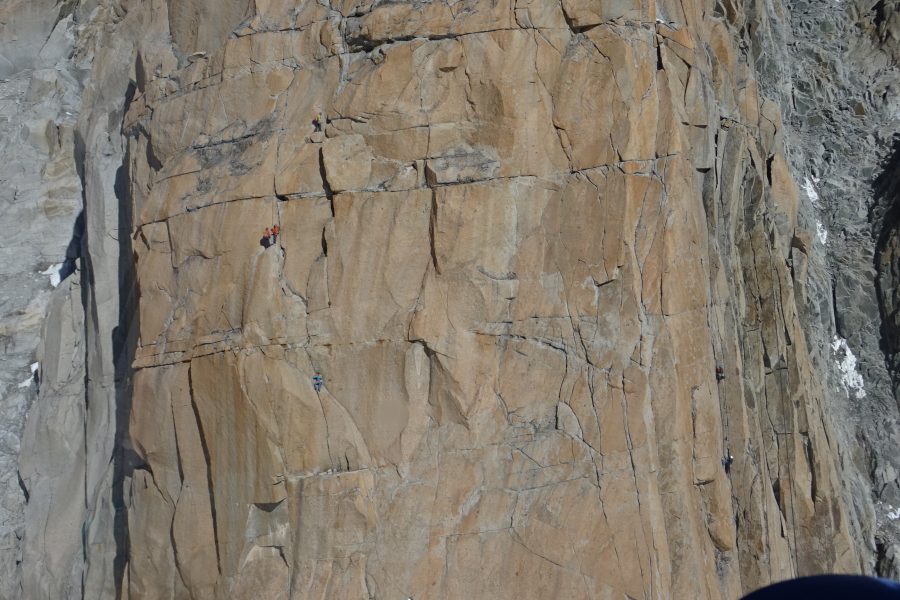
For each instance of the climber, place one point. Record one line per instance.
(319, 121)
(318, 382)
(275, 231)
(726, 462)
(266, 240)
(720, 372)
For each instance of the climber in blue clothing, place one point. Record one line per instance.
(727, 460)
(318, 382)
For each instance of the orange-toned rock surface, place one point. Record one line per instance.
(526, 236)
(515, 255)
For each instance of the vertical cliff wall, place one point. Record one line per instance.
(887, 265)
(837, 80)
(524, 240)
(40, 201)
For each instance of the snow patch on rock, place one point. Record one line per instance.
(53, 272)
(27, 383)
(821, 232)
(811, 192)
(851, 379)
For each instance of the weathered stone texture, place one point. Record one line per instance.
(525, 237)
(517, 251)
(837, 85)
(40, 199)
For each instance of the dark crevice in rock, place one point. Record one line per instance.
(325, 185)
(66, 8)
(811, 465)
(152, 159)
(885, 218)
(360, 43)
(432, 223)
(22, 486)
(73, 251)
(124, 344)
(576, 29)
(363, 44)
(886, 559)
(836, 311)
(267, 506)
(776, 491)
(206, 457)
(879, 15)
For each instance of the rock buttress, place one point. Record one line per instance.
(524, 240)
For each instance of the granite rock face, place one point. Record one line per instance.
(838, 91)
(523, 241)
(40, 200)
(887, 265)
(516, 254)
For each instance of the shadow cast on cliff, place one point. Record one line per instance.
(124, 343)
(123, 339)
(885, 219)
(73, 250)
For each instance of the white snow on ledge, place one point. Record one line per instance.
(30, 380)
(821, 232)
(811, 192)
(851, 379)
(893, 513)
(53, 272)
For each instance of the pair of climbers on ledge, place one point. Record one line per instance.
(270, 236)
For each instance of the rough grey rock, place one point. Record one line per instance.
(40, 198)
(25, 40)
(62, 169)
(833, 67)
(52, 469)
